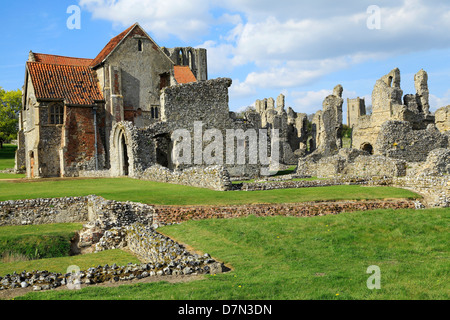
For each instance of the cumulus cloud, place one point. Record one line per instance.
(438, 102)
(183, 19)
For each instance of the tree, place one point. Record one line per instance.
(10, 104)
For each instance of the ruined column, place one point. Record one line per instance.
(421, 85)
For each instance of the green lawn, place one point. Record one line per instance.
(7, 155)
(288, 258)
(127, 189)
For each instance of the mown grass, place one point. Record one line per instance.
(320, 258)
(127, 189)
(37, 241)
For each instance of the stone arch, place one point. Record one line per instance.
(32, 164)
(180, 57)
(367, 147)
(121, 152)
(191, 59)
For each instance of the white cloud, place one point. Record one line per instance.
(439, 102)
(184, 19)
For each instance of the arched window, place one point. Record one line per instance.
(56, 114)
(191, 60)
(180, 58)
(139, 45)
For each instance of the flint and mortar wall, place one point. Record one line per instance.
(215, 178)
(172, 214)
(107, 213)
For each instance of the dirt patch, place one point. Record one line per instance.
(13, 293)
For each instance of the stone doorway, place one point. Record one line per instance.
(163, 150)
(124, 163)
(31, 164)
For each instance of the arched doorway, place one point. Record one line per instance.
(31, 164)
(123, 155)
(367, 147)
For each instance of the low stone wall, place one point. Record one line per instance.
(106, 213)
(435, 190)
(272, 185)
(363, 166)
(215, 178)
(173, 214)
(109, 214)
(43, 211)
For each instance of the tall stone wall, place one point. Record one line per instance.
(398, 140)
(389, 104)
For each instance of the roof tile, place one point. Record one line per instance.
(52, 59)
(183, 74)
(76, 85)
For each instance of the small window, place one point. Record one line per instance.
(181, 58)
(139, 45)
(56, 114)
(154, 112)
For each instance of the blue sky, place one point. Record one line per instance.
(299, 48)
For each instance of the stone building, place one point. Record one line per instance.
(298, 137)
(70, 105)
(117, 115)
(355, 109)
(389, 104)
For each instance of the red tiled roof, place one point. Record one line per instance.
(183, 74)
(69, 61)
(77, 85)
(110, 47)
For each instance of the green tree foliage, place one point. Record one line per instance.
(346, 131)
(10, 104)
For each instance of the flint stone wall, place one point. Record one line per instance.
(215, 177)
(106, 213)
(398, 140)
(272, 185)
(43, 211)
(352, 163)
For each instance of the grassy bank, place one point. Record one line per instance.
(36, 242)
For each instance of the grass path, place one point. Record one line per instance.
(127, 189)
